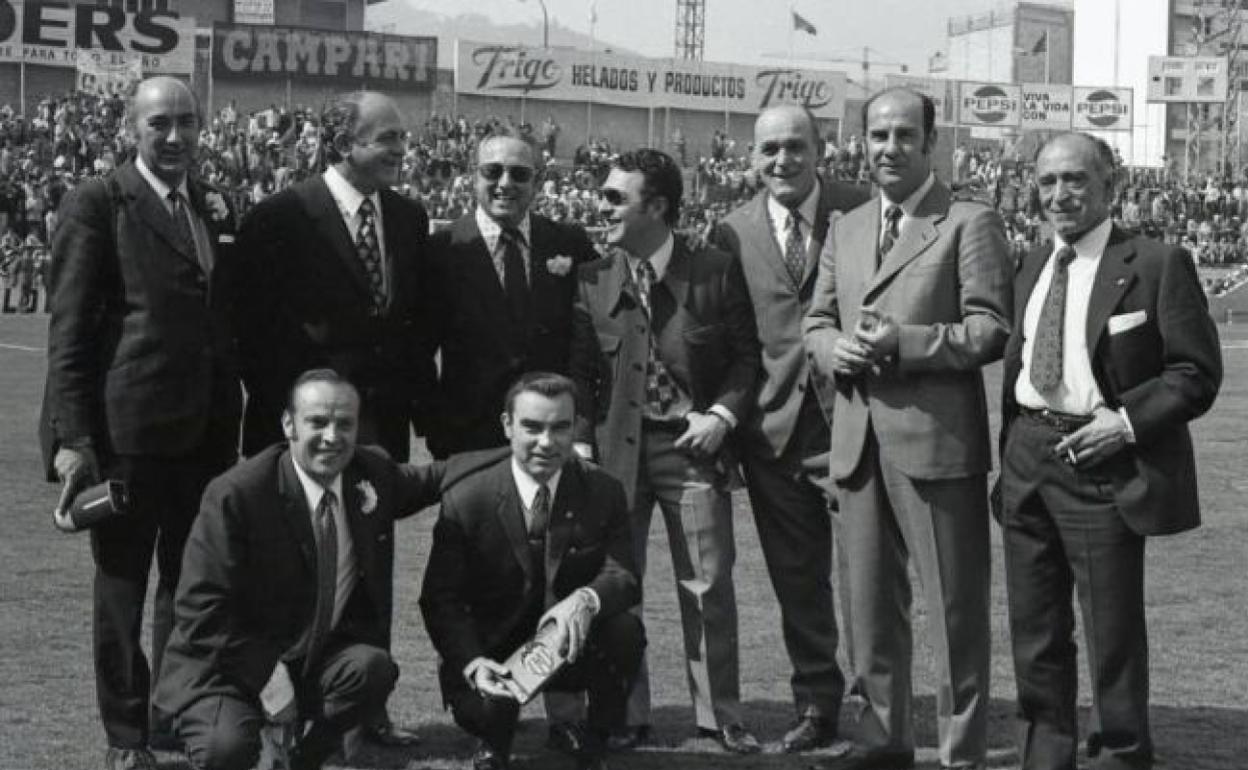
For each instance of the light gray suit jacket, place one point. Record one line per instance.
(947, 281)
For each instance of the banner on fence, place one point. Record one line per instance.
(108, 80)
(998, 105)
(563, 74)
(57, 34)
(1102, 109)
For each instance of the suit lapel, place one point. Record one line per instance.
(295, 509)
(762, 241)
(1113, 277)
(322, 209)
(617, 284)
(483, 277)
(152, 211)
(562, 517)
(1028, 275)
(818, 231)
(510, 512)
(855, 260)
(677, 280)
(353, 511)
(915, 237)
(390, 218)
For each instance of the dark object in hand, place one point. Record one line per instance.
(102, 502)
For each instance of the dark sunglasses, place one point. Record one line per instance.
(492, 172)
(612, 196)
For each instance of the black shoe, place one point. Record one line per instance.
(383, 732)
(128, 759)
(628, 738)
(487, 759)
(811, 732)
(734, 738)
(860, 759)
(567, 738)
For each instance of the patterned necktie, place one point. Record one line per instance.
(660, 388)
(515, 282)
(794, 247)
(892, 226)
(1046, 352)
(369, 249)
(326, 531)
(539, 514)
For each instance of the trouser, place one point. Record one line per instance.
(222, 732)
(606, 671)
(1062, 534)
(164, 500)
(697, 511)
(942, 525)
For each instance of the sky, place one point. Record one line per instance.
(743, 31)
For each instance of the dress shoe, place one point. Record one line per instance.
(734, 738)
(488, 759)
(860, 759)
(628, 738)
(566, 737)
(383, 732)
(810, 732)
(128, 759)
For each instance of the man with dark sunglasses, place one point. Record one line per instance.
(503, 280)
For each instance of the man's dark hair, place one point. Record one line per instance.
(327, 376)
(660, 176)
(546, 384)
(929, 108)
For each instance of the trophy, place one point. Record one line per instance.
(534, 663)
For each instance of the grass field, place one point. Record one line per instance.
(1197, 597)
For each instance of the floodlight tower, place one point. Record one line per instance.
(690, 29)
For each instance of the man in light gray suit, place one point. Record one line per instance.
(912, 299)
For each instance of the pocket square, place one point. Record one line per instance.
(1126, 321)
(225, 238)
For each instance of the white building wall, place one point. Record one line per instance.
(1113, 40)
(982, 54)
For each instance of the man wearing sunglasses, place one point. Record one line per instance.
(504, 279)
(666, 359)
(334, 278)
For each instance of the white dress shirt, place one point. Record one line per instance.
(349, 199)
(527, 486)
(778, 213)
(908, 206)
(203, 243)
(313, 491)
(491, 233)
(1078, 392)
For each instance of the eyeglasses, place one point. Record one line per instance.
(492, 172)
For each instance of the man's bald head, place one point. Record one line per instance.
(164, 117)
(792, 114)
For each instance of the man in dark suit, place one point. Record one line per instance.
(1113, 352)
(504, 283)
(666, 358)
(542, 537)
(142, 384)
(911, 301)
(777, 237)
(283, 610)
(335, 270)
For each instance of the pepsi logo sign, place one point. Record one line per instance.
(1102, 109)
(990, 104)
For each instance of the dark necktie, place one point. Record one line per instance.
(181, 212)
(794, 247)
(539, 514)
(369, 249)
(660, 388)
(515, 283)
(1046, 351)
(892, 226)
(326, 531)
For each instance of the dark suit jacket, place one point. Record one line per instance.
(705, 333)
(308, 305)
(947, 282)
(480, 570)
(779, 306)
(1165, 372)
(479, 357)
(248, 588)
(141, 358)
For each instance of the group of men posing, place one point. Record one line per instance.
(827, 345)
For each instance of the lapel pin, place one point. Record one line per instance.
(1120, 281)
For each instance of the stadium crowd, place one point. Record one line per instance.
(76, 136)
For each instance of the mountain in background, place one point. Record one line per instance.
(402, 18)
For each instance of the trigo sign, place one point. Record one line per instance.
(55, 34)
(990, 104)
(561, 74)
